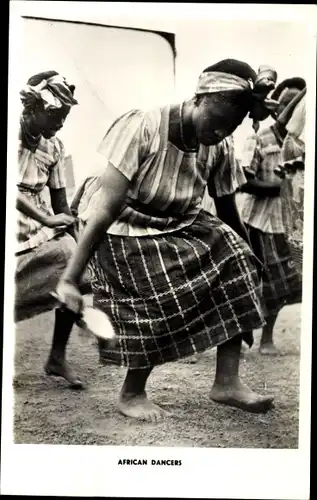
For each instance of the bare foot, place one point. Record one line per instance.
(269, 350)
(141, 408)
(60, 368)
(240, 396)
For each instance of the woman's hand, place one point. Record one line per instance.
(69, 296)
(59, 220)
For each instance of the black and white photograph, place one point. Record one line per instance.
(159, 250)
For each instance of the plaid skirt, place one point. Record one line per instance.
(172, 295)
(282, 283)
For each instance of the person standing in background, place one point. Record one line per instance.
(292, 173)
(262, 214)
(46, 238)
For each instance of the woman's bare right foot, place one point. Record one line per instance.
(140, 408)
(240, 396)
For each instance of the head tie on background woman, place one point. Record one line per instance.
(286, 114)
(54, 92)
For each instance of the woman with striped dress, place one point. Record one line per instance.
(174, 279)
(45, 237)
(263, 217)
(292, 173)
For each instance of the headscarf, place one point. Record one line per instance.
(54, 92)
(233, 75)
(283, 87)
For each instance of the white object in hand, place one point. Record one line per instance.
(94, 321)
(97, 322)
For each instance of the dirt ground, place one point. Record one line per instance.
(47, 412)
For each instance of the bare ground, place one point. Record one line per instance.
(47, 412)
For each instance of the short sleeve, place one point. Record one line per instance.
(226, 174)
(56, 178)
(124, 143)
(250, 160)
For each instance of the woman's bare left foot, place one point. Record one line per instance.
(240, 396)
(269, 349)
(60, 368)
(140, 408)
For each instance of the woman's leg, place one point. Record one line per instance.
(57, 364)
(228, 388)
(133, 401)
(266, 343)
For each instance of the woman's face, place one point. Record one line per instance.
(49, 122)
(216, 119)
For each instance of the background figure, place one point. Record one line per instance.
(46, 239)
(262, 213)
(292, 173)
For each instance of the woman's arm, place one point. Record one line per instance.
(114, 187)
(27, 208)
(227, 211)
(31, 210)
(260, 188)
(59, 201)
(60, 206)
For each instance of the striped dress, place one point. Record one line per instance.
(38, 170)
(42, 252)
(292, 191)
(264, 219)
(174, 279)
